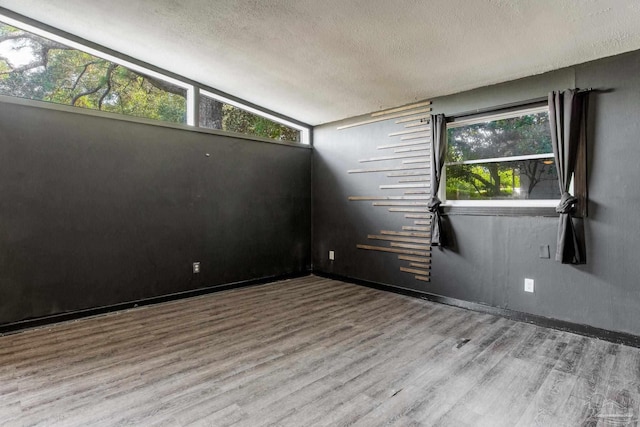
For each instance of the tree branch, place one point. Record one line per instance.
(89, 92)
(21, 35)
(44, 46)
(110, 70)
(27, 67)
(486, 183)
(475, 186)
(84, 70)
(165, 86)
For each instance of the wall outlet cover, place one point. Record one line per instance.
(528, 285)
(332, 255)
(196, 267)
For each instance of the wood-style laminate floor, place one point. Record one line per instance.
(312, 351)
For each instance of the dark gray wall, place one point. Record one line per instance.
(95, 211)
(497, 253)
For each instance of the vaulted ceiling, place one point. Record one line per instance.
(323, 60)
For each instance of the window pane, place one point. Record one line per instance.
(37, 68)
(219, 115)
(517, 136)
(524, 179)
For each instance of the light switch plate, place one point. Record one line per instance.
(544, 252)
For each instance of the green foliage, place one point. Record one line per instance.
(474, 182)
(57, 73)
(241, 121)
(518, 136)
(515, 136)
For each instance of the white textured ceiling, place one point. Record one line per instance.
(323, 60)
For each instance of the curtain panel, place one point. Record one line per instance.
(438, 154)
(567, 121)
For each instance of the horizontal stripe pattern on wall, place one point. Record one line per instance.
(407, 166)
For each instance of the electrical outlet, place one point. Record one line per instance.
(196, 267)
(528, 285)
(332, 255)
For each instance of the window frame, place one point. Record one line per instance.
(193, 89)
(514, 207)
(304, 132)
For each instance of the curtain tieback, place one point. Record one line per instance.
(434, 204)
(566, 203)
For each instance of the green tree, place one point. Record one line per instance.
(58, 73)
(524, 135)
(241, 121)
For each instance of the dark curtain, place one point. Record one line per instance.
(567, 121)
(438, 153)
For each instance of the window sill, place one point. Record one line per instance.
(141, 120)
(488, 210)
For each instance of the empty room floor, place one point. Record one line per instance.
(312, 351)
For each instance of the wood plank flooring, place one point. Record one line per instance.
(312, 351)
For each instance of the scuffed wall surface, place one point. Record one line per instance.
(95, 212)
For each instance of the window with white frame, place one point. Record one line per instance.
(503, 159)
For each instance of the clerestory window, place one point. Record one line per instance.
(41, 66)
(215, 113)
(38, 68)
